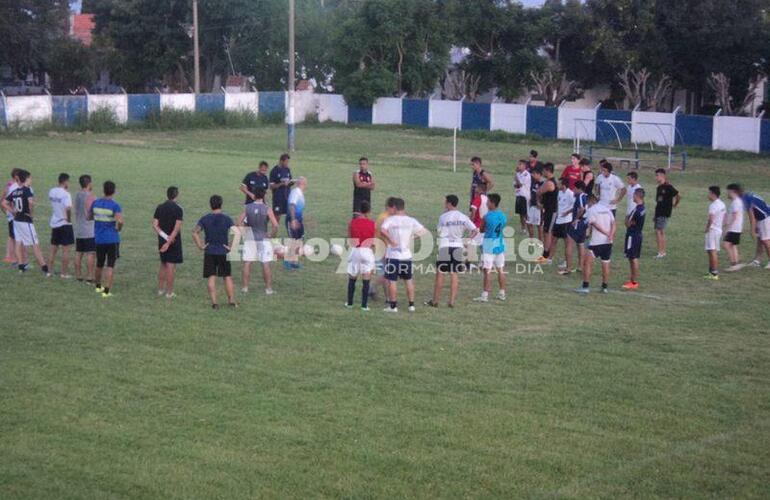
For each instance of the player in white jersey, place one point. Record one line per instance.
(398, 231)
(610, 188)
(565, 205)
(62, 233)
(714, 223)
(633, 185)
(601, 224)
(453, 226)
(522, 185)
(734, 225)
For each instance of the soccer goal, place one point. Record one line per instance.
(630, 144)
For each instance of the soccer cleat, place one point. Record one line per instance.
(735, 267)
(430, 303)
(365, 309)
(605, 290)
(106, 295)
(543, 260)
(269, 291)
(171, 295)
(412, 309)
(566, 272)
(390, 310)
(245, 290)
(711, 277)
(501, 297)
(481, 298)
(99, 289)
(630, 285)
(582, 290)
(161, 293)
(754, 263)
(660, 256)
(348, 306)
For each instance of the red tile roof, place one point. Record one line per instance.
(82, 28)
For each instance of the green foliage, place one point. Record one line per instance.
(70, 65)
(364, 86)
(29, 32)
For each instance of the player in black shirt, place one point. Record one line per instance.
(167, 222)
(549, 199)
(254, 181)
(667, 198)
(280, 184)
(363, 185)
(21, 203)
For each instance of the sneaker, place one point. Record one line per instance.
(481, 298)
(47, 275)
(734, 268)
(348, 306)
(161, 293)
(171, 295)
(712, 277)
(99, 289)
(605, 290)
(543, 260)
(430, 303)
(566, 272)
(501, 297)
(365, 309)
(65, 276)
(582, 290)
(767, 266)
(269, 291)
(106, 295)
(412, 309)
(630, 285)
(390, 309)
(754, 263)
(245, 290)
(660, 256)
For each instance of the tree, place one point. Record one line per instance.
(70, 65)
(642, 90)
(720, 85)
(29, 30)
(553, 86)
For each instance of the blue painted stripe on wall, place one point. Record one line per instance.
(605, 133)
(415, 112)
(543, 121)
(210, 103)
(359, 114)
(764, 136)
(476, 116)
(69, 110)
(140, 106)
(694, 130)
(271, 103)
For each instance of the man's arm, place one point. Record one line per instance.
(620, 195)
(293, 215)
(119, 221)
(752, 222)
(677, 199)
(197, 238)
(489, 180)
(273, 222)
(245, 190)
(613, 229)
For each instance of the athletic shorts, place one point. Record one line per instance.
(549, 221)
(713, 237)
(10, 230)
(396, 269)
(633, 246)
(763, 229)
(578, 232)
(62, 236)
(450, 260)
(258, 251)
(107, 252)
(280, 205)
(85, 245)
(361, 261)
(560, 230)
(173, 255)
(492, 260)
(25, 233)
(603, 252)
(357, 203)
(216, 265)
(295, 234)
(661, 223)
(733, 238)
(521, 206)
(534, 216)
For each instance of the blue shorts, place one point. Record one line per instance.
(602, 252)
(398, 269)
(295, 234)
(633, 246)
(578, 232)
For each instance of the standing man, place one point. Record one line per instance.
(167, 223)
(453, 225)
(398, 230)
(587, 176)
(634, 238)
(534, 162)
(295, 224)
(566, 204)
(62, 235)
(549, 201)
(256, 240)
(84, 230)
(479, 176)
(108, 222)
(493, 249)
(535, 211)
(363, 185)
(10, 248)
(714, 223)
(667, 198)
(759, 218)
(734, 224)
(522, 185)
(255, 180)
(21, 203)
(576, 231)
(216, 228)
(633, 184)
(610, 188)
(280, 185)
(361, 232)
(572, 172)
(601, 223)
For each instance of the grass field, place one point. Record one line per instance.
(660, 393)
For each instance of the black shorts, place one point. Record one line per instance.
(734, 238)
(578, 232)
(603, 252)
(280, 206)
(173, 255)
(85, 245)
(11, 234)
(398, 269)
(216, 265)
(450, 260)
(295, 234)
(521, 206)
(357, 203)
(560, 230)
(107, 252)
(62, 236)
(549, 221)
(633, 246)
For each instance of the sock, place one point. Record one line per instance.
(393, 304)
(365, 292)
(45, 269)
(585, 284)
(351, 290)
(546, 254)
(604, 285)
(107, 290)
(411, 304)
(98, 285)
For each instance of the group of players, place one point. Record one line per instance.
(578, 208)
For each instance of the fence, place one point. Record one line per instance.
(727, 133)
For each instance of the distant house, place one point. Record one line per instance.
(82, 28)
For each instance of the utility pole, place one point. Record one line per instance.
(196, 49)
(290, 81)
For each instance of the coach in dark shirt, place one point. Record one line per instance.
(280, 185)
(167, 223)
(254, 181)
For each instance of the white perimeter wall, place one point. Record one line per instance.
(118, 103)
(735, 133)
(28, 110)
(445, 114)
(182, 102)
(662, 135)
(509, 118)
(245, 101)
(569, 128)
(332, 107)
(387, 111)
(305, 103)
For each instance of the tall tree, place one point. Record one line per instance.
(29, 29)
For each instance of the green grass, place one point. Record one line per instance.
(661, 393)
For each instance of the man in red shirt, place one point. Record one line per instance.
(572, 173)
(361, 232)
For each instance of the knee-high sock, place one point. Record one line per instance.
(351, 290)
(365, 297)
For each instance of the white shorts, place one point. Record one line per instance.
(763, 229)
(25, 233)
(360, 261)
(713, 237)
(258, 251)
(534, 216)
(489, 261)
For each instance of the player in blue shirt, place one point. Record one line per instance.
(493, 248)
(216, 227)
(759, 217)
(633, 246)
(108, 221)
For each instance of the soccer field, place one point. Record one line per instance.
(661, 392)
